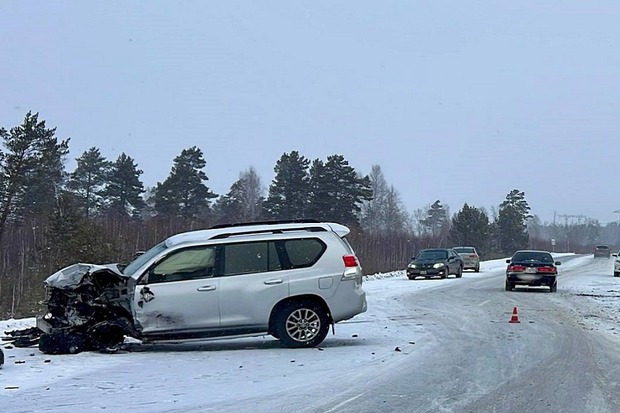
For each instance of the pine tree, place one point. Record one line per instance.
(288, 192)
(88, 179)
(436, 218)
(470, 227)
(243, 203)
(511, 225)
(321, 194)
(123, 189)
(184, 193)
(72, 238)
(337, 191)
(31, 170)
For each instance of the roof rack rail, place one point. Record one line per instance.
(284, 221)
(268, 231)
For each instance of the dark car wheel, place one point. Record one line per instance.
(616, 274)
(62, 343)
(477, 268)
(301, 324)
(459, 272)
(509, 286)
(553, 287)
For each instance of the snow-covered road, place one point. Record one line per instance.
(423, 346)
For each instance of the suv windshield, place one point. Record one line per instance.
(143, 259)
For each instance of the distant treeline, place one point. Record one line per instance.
(101, 212)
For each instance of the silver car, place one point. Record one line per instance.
(290, 280)
(471, 259)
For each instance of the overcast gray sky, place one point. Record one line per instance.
(460, 101)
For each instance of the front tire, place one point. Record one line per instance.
(62, 343)
(459, 272)
(301, 324)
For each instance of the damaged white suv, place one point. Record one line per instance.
(291, 280)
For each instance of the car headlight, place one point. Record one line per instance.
(439, 265)
(411, 266)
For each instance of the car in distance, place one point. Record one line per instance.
(435, 262)
(470, 257)
(617, 264)
(602, 251)
(532, 268)
(288, 279)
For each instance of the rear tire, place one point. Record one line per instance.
(477, 268)
(553, 287)
(459, 272)
(509, 286)
(616, 274)
(301, 324)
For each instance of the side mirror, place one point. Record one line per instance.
(558, 263)
(508, 261)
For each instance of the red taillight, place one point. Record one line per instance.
(350, 260)
(473, 256)
(516, 268)
(550, 270)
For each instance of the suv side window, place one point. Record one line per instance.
(248, 257)
(252, 257)
(304, 252)
(187, 264)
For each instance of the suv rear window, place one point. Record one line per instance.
(304, 252)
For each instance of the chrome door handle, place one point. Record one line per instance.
(272, 282)
(206, 288)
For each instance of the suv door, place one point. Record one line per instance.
(251, 281)
(179, 293)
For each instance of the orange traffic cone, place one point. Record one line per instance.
(515, 317)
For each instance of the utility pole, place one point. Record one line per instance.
(572, 217)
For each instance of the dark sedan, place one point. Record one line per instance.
(602, 251)
(435, 262)
(532, 268)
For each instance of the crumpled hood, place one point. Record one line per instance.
(71, 277)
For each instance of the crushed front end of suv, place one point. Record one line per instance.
(290, 280)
